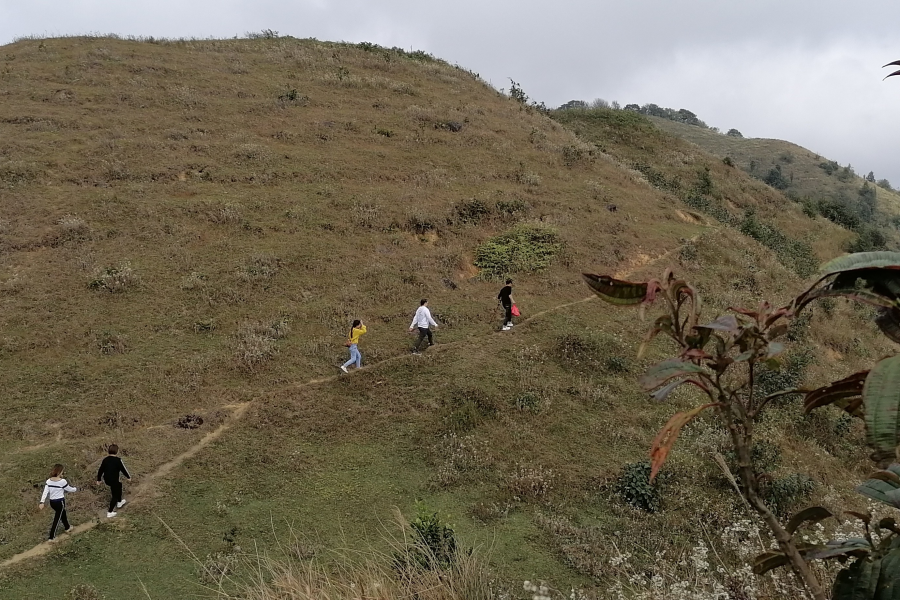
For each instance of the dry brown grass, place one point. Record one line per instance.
(235, 203)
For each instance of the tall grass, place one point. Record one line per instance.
(293, 572)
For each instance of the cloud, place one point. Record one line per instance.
(807, 71)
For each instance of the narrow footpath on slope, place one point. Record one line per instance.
(143, 490)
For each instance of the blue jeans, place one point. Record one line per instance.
(355, 357)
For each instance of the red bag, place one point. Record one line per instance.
(515, 311)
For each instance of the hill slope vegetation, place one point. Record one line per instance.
(188, 228)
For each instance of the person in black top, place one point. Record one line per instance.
(109, 471)
(505, 299)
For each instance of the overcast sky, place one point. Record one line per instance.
(801, 70)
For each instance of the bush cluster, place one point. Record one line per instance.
(524, 249)
(634, 487)
(794, 254)
(430, 547)
(786, 492)
(467, 407)
(114, 279)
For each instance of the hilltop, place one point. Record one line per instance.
(188, 228)
(821, 186)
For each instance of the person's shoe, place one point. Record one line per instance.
(506, 328)
(52, 540)
(344, 369)
(510, 324)
(110, 515)
(415, 351)
(121, 503)
(67, 530)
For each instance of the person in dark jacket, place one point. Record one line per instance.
(505, 299)
(109, 471)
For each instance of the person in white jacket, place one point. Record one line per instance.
(55, 490)
(424, 323)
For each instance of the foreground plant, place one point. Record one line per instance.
(723, 358)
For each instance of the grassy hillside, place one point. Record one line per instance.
(820, 184)
(188, 228)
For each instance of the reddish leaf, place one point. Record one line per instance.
(696, 353)
(846, 393)
(666, 437)
(777, 331)
(862, 296)
(616, 291)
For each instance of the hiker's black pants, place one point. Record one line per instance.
(423, 333)
(59, 514)
(115, 490)
(508, 317)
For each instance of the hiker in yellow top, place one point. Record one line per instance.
(356, 330)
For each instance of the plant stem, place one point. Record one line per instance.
(742, 441)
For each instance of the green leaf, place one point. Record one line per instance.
(882, 486)
(773, 349)
(881, 394)
(854, 582)
(862, 260)
(662, 393)
(888, 321)
(838, 548)
(666, 370)
(615, 291)
(889, 582)
(813, 514)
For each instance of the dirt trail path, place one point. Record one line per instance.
(144, 489)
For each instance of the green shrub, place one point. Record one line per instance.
(114, 279)
(431, 545)
(617, 364)
(84, 591)
(829, 166)
(794, 254)
(529, 401)
(467, 407)
(789, 375)
(420, 224)
(526, 248)
(776, 179)
(634, 487)
(472, 211)
(764, 456)
(785, 493)
(577, 349)
(511, 208)
(704, 182)
(869, 239)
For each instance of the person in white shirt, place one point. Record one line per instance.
(424, 323)
(55, 490)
